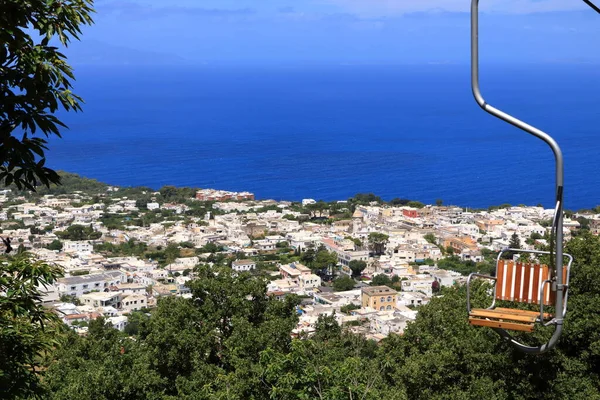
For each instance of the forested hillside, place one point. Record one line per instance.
(233, 342)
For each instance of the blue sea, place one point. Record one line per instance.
(329, 132)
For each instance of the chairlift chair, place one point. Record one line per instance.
(524, 282)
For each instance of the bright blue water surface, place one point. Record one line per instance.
(331, 132)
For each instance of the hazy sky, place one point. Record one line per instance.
(336, 31)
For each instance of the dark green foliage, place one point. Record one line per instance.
(377, 242)
(357, 242)
(55, 245)
(399, 202)
(357, 267)
(112, 221)
(70, 183)
(453, 263)
(27, 330)
(317, 209)
(332, 365)
(533, 237)
(209, 248)
(79, 232)
(514, 243)
(324, 260)
(204, 348)
(135, 321)
(348, 308)
(172, 194)
(36, 83)
(129, 248)
(365, 198)
(343, 283)
(504, 205)
(233, 341)
(65, 298)
(430, 237)
(381, 280)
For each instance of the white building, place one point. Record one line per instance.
(412, 299)
(418, 284)
(78, 285)
(70, 246)
(243, 265)
(386, 322)
(119, 322)
(102, 299)
(444, 278)
(309, 282)
(153, 206)
(134, 302)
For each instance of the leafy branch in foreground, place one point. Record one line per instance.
(28, 331)
(35, 81)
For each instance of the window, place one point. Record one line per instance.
(381, 308)
(96, 284)
(73, 287)
(382, 299)
(388, 307)
(389, 298)
(85, 286)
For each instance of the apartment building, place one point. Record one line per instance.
(379, 297)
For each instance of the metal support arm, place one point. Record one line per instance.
(471, 275)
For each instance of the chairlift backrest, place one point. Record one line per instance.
(521, 282)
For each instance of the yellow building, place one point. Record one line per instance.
(380, 298)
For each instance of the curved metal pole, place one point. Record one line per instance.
(594, 7)
(558, 223)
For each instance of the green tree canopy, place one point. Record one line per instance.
(324, 259)
(27, 329)
(79, 232)
(377, 242)
(343, 283)
(381, 280)
(36, 83)
(231, 340)
(55, 245)
(357, 267)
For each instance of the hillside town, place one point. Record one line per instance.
(369, 264)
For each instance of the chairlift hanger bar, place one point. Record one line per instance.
(558, 216)
(594, 7)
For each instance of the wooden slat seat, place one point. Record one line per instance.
(523, 312)
(504, 324)
(519, 320)
(501, 315)
(520, 283)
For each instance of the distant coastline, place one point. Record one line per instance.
(72, 182)
(328, 133)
